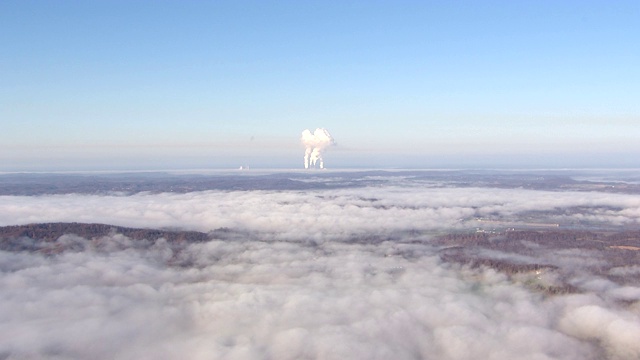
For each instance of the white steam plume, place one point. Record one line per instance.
(314, 144)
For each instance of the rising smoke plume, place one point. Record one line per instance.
(314, 146)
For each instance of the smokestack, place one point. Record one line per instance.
(314, 144)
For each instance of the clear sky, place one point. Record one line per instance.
(215, 84)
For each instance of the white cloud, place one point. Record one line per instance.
(257, 297)
(257, 300)
(322, 212)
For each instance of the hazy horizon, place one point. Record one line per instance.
(333, 161)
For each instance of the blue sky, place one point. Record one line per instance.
(215, 84)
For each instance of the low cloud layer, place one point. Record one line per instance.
(257, 300)
(324, 214)
(303, 278)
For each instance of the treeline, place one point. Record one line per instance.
(49, 232)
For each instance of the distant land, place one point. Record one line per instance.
(157, 182)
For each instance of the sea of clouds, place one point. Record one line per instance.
(321, 214)
(303, 282)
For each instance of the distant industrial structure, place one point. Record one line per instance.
(315, 143)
